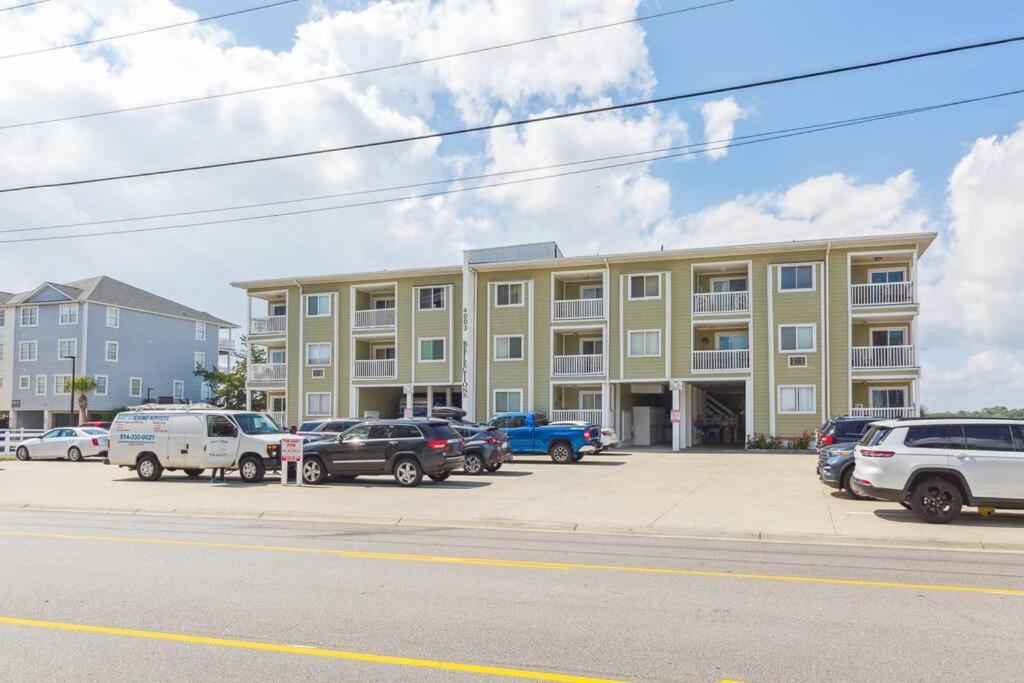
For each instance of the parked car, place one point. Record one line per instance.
(531, 433)
(314, 430)
(943, 464)
(609, 439)
(73, 443)
(485, 448)
(845, 428)
(97, 425)
(405, 449)
(838, 439)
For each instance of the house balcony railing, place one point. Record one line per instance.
(589, 364)
(374, 318)
(225, 345)
(268, 372)
(882, 294)
(578, 309)
(375, 369)
(268, 324)
(874, 357)
(721, 361)
(591, 416)
(280, 418)
(889, 413)
(721, 302)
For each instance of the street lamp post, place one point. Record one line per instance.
(71, 415)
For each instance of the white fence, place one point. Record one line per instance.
(591, 416)
(721, 302)
(717, 361)
(886, 413)
(589, 364)
(375, 317)
(578, 309)
(883, 356)
(9, 440)
(882, 294)
(267, 324)
(268, 372)
(375, 369)
(280, 418)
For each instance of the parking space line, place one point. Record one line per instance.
(529, 564)
(306, 651)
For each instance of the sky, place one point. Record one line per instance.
(957, 171)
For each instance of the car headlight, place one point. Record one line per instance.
(836, 455)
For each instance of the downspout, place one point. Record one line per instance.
(827, 388)
(301, 356)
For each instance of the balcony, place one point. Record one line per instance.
(280, 418)
(590, 416)
(590, 364)
(886, 413)
(882, 294)
(578, 309)
(268, 324)
(267, 373)
(721, 302)
(883, 357)
(226, 345)
(374, 318)
(375, 369)
(721, 361)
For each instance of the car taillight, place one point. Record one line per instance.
(587, 435)
(491, 440)
(437, 444)
(95, 441)
(871, 453)
(827, 440)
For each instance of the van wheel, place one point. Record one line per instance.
(313, 471)
(440, 477)
(75, 454)
(560, 453)
(408, 472)
(474, 464)
(845, 483)
(193, 473)
(149, 468)
(22, 454)
(936, 501)
(251, 469)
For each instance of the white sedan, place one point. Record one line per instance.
(73, 443)
(609, 439)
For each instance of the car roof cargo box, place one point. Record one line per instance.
(448, 412)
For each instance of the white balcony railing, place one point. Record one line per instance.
(591, 416)
(882, 294)
(268, 324)
(721, 302)
(578, 309)
(590, 364)
(883, 356)
(375, 369)
(268, 372)
(886, 413)
(374, 317)
(280, 418)
(718, 361)
(226, 345)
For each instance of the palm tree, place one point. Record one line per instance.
(83, 385)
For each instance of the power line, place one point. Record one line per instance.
(24, 4)
(446, 181)
(522, 122)
(145, 30)
(348, 74)
(806, 130)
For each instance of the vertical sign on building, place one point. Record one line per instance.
(468, 340)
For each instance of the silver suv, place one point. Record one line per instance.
(940, 465)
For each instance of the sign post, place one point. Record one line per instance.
(291, 452)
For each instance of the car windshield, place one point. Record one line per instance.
(256, 423)
(875, 436)
(310, 426)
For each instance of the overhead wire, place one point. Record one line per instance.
(22, 5)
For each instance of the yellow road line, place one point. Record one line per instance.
(529, 564)
(307, 651)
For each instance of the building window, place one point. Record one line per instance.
(797, 400)
(178, 390)
(66, 348)
(592, 346)
(61, 385)
(135, 387)
(431, 298)
(200, 331)
(509, 294)
(881, 276)
(644, 287)
(508, 347)
(796, 278)
(508, 400)
(24, 382)
(278, 357)
(30, 316)
(383, 352)
(28, 351)
(591, 292)
(590, 400)
(3, 317)
(318, 404)
(113, 316)
(113, 351)
(728, 284)
(318, 354)
(432, 350)
(2, 351)
(101, 385)
(885, 397)
(645, 343)
(889, 336)
(40, 385)
(797, 338)
(318, 305)
(68, 314)
(200, 359)
(731, 341)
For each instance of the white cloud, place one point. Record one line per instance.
(720, 117)
(987, 378)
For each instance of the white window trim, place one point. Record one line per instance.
(32, 344)
(494, 399)
(61, 341)
(629, 345)
(901, 389)
(814, 338)
(24, 382)
(814, 394)
(629, 286)
(719, 335)
(202, 327)
(318, 365)
(590, 392)
(814, 277)
(444, 298)
(305, 305)
(59, 382)
(106, 384)
(131, 381)
(728, 278)
(318, 393)
(270, 356)
(21, 316)
(444, 349)
(117, 352)
(70, 307)
(174, 389)
(895, 328)
(117, 317)
(199, 358)
(600, 340)
(383, 345)
(582, 287)
(882, 269)
(522, 293)
(522, 347)
(43, 392)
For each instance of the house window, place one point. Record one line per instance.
(645, 343)
(61, 385)
(644, 287)
(24, 382)
(200, 331)
(278, 310)
(68, 314)
(728, 284)
(113, 316)
(66, 348)
(798, 399)
(135, 387)
(797, 338)
(592, 347)
(884, 397)
(591, 292)
(731, 341)
(508, 400)
(28, 350)
(895, 336)
(883, 276)
(200, 359)
(509, 294)
(796, 278)
(113, 351)
(432, 350)
(40, 385)
(30, 316)
(318, 305)
(2, 352)
(432, 298)
(508, 347)
(318, 404)
(278, 357)
(381, 303)
(590, 400)
(383, 352)
(318, 354)
(101, 385)
(178, 390)
(3, 317)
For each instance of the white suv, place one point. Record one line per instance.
(940, 465)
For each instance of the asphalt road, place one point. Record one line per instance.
(117, 597)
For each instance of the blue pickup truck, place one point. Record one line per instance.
(531, 433)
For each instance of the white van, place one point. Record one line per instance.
(192, 439)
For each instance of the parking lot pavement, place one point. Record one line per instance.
(773, 497)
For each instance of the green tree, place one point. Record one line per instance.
(228, 387)
(83, 385)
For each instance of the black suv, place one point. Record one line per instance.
(406, 449)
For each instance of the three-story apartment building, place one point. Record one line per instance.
(5, 362)
(770, 338)
(137, 346)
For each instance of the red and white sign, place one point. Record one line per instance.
(675, 416)
(291, 449)
(408, 413)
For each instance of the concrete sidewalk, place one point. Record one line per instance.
(735, 495)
